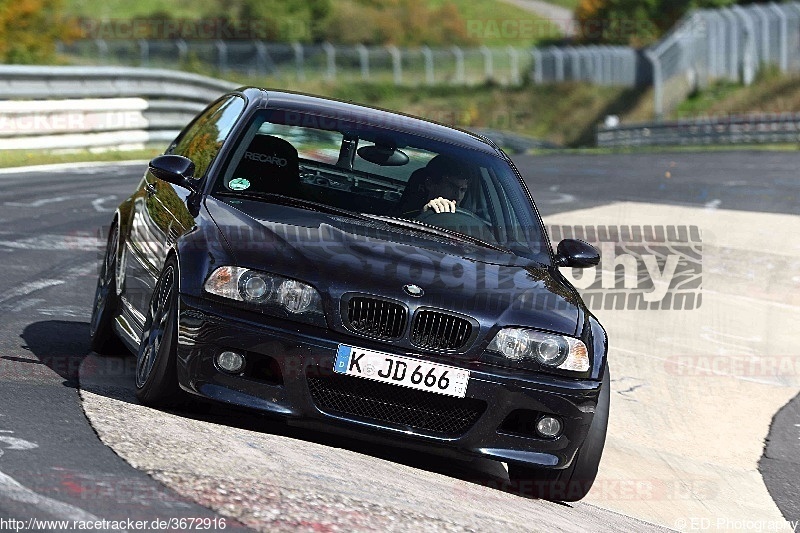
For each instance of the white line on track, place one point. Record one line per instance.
(45, 201)
(71, 167)
(13, 443)
(27, 288)
(55, 242)
(100, 208)
(12, 490)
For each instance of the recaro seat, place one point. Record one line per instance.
(271, 165)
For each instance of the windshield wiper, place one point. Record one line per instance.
(442, 232)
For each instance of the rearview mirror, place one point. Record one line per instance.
(577, 254)
(174, 169)
(385, 156)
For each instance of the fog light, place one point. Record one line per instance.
(549, 427)
(230, 362)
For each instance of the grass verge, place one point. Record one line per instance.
(772, 92)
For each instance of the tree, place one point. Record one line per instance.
(634, 22)
(29, 30)
(276, 20)
(398, 22)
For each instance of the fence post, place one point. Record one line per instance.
(363, 58)
(558, 59)
(575, 64)
(299, 61)
(749, 60)
(783, 37)
(429, 74)
(222, 56)
(261, 57)
(397, 64)
(607, 74)
(183, 50)
(102, 51)
(597, 65)
(712, 46)
(620, 64)
(144, 52)
(658, 85)
(330, 57)
(460, 77)
(733, 48)
(488, 68)
(513, 58)
(766, 53)
(538, 66)
(694, 76)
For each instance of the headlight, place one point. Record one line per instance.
(553, 351)
(261, 288)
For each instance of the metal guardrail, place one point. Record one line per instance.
(749, 129)
(113, 107)
(98, 106)
(43, 82)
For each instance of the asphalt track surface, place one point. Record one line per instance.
(54, 466)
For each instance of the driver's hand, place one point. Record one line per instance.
(441, 205)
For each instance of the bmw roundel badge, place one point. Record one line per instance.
(414, 290)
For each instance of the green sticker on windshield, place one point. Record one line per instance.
(239, 184)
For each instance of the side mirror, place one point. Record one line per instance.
(576, 254)
(175, 169)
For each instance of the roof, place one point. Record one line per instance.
(328, 107)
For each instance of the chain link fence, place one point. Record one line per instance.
(286, 62)
(705, 46)
(723, 44)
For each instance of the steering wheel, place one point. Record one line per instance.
(461, 215)
(463, 221)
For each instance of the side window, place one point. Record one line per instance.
(203, 139)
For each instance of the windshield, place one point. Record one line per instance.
(392, 175)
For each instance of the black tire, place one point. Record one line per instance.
(102, 338)
(156, 359)
(574, 482)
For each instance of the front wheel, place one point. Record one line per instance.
(572, 483)
(102, 339)
(156, 360)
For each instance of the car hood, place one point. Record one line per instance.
(340, 255)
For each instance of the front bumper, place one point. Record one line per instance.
(290, 374)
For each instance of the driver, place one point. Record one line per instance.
(445, 186)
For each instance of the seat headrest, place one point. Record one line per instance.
(270, 164)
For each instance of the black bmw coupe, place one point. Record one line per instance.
(362, 271)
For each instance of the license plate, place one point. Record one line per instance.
(402, 371)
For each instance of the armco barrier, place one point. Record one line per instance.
(115, 107)
(749, 129)
(97, 107)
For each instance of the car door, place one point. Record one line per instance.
(160, 214)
